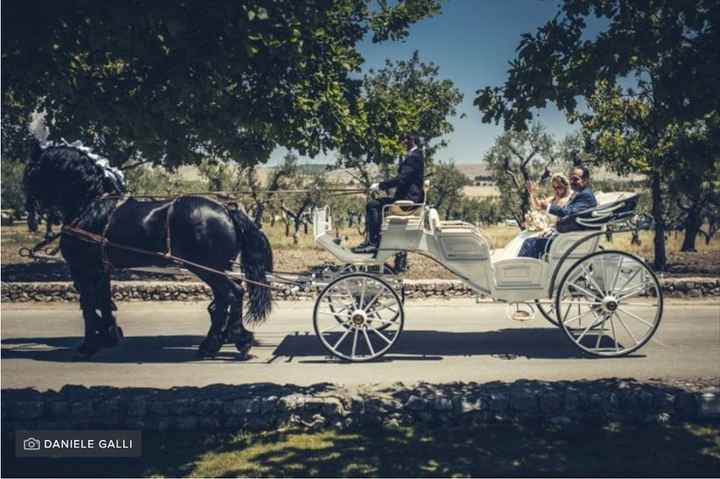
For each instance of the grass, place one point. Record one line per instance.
(469, 450)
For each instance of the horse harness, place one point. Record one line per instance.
(105, 243)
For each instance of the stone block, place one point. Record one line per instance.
(28, 409)
(708, 405)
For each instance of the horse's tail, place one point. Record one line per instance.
(257, 260)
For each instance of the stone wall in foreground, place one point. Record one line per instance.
(268, 406)
(190, 291)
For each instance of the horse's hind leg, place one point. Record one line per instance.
(235, 331)
(218, 310)
(214, 339)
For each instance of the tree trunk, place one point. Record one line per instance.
(692, 227)
(659, 217)
(258, 215)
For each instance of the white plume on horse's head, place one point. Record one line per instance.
(38, 127)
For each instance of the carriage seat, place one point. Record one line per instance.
(404, 213)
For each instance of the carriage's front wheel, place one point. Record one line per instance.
(609, 303)
(358, 317)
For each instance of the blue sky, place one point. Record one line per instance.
(472, 42)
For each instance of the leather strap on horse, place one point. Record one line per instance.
(30, 252)
(105, 243)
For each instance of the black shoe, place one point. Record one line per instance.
(365, 248)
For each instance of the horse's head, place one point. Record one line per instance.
(64, 178)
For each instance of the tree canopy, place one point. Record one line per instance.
(406, 96)
(670, 44)
(173, 81)
(650, 80)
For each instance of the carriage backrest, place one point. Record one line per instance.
(612, 208)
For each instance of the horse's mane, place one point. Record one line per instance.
(60, 175)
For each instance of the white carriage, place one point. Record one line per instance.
(608, 303)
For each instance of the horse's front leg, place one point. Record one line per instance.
(92, 342)
(96, 304)
(108, 330)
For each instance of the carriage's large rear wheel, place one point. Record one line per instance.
(358, 317)
(609, 303)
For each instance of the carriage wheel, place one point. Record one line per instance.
(370, 314)
(609, 303)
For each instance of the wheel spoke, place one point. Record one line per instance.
(375, 298)
(632, 277)
(335, 326)
(362, 294)
(367, 340)
(354, 346)
(638, 290)
(576, 317)
(347, 331)
(632, 315)
(617, 273)
(352, 298)
(592, 325)
(583, 290)
(384, 306)
(384, 321)
(335, 313)
(381, 335)
(589, 276)
(622, 323)
(612, 329)
(599, 338)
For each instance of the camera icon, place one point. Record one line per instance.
(31, 444)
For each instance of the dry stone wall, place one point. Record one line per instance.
(190, 291)
(269, 406)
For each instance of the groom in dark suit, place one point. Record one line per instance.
(583, 199)
(408, 186)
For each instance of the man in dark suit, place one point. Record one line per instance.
(408, 186)
(583, 199)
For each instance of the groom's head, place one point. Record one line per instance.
(579, 177)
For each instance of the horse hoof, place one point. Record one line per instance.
(209, 347)
(112, 337)
(202, 354)
(244, 348)
(85, 350)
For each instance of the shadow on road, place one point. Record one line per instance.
(134, 349)
(422, 345)
(428, 344)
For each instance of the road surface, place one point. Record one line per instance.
(444, 341)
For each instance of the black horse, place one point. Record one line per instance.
(193, 228)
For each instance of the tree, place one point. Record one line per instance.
(666, 50)
(517, 157)
(13, 197)
(446, 191)
(403, 97)
(172, 82)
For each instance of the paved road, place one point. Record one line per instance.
(444, 341)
